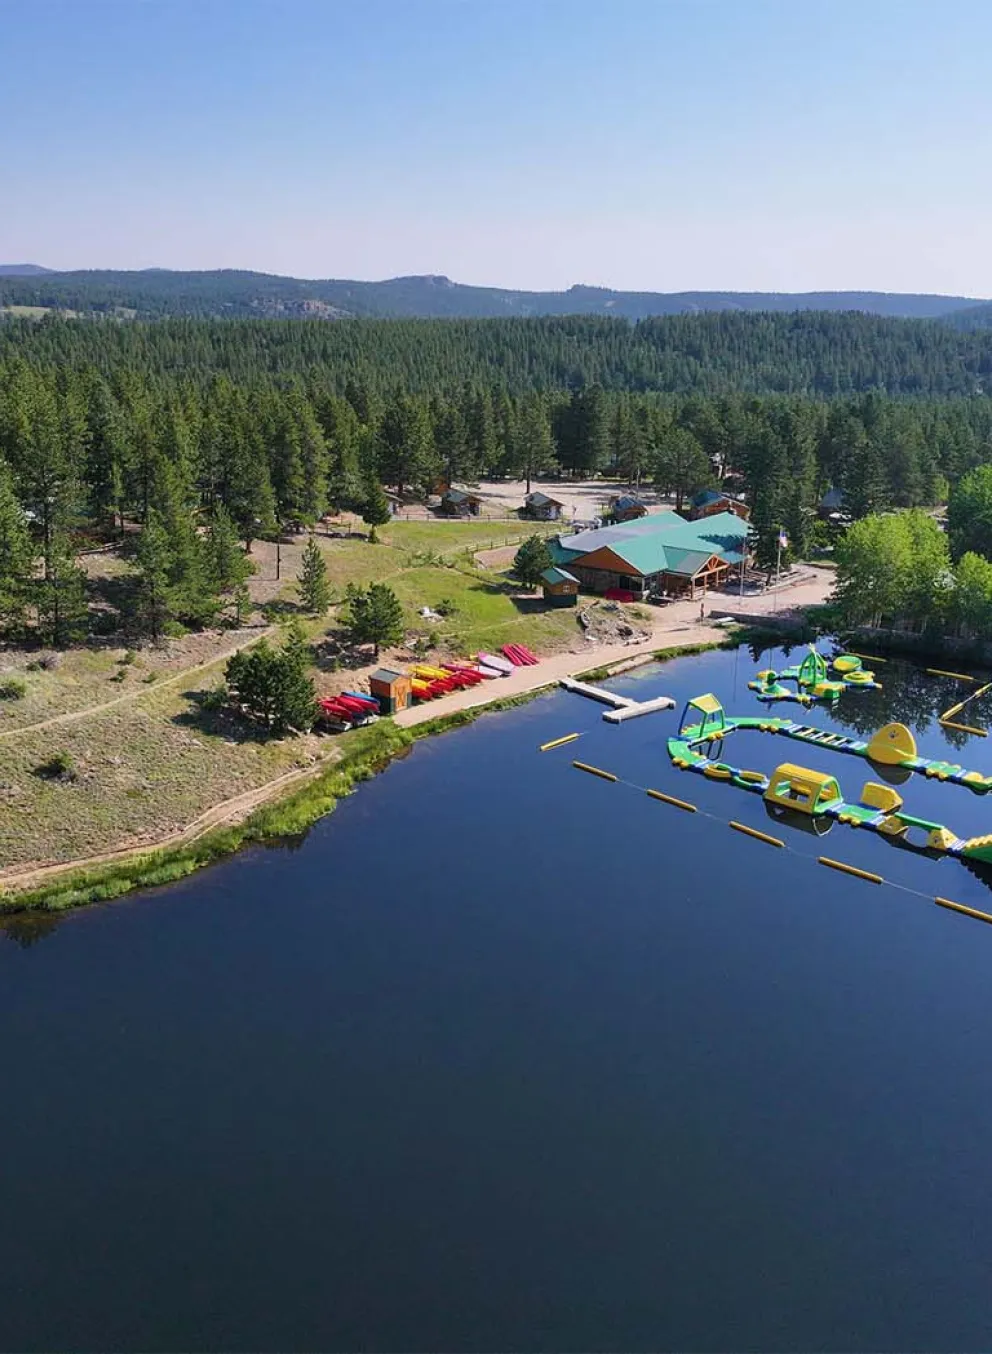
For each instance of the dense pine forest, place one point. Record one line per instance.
(205, 432)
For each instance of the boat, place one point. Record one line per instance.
(497, 663)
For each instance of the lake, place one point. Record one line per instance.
(506, 1057)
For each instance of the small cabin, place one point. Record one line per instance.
(559, 587)
(460, 503)
(543, 507)
(393, 690)
(627, 508)
(832, 507)
(709, 502)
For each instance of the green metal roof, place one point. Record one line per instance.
(558, 576)
(645, 544)
(644, 554)
(687, 562)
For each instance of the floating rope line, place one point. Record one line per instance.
(853, 870)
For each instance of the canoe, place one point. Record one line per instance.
(492, 660)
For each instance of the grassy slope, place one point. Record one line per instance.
(151, 765)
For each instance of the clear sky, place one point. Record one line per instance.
(652, 144)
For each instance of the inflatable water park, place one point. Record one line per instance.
(704, 726)
(813, 681)
(806, 799)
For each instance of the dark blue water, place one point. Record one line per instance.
(505, 1057)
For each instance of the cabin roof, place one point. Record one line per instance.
(647, 544)
(556, 575)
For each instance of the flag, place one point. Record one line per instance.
(783, 540)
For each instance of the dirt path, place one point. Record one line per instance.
(181, 676)
(227, 813)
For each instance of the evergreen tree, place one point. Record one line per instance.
(531, 560)
(680, 467)
(61, 595)
(375, 616)
(315, 590)
(376, 511)
(533, 451)
(272, 687)
(106, 455)
(241, 602)
(408, 456)
(155, 563)
(227, 565)
(17, 555)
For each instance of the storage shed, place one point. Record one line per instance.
(560, 588)
(393, 690)
(543, 507)
(627, 508)
(460, 503)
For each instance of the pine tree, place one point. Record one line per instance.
(296, 646)
(376, 511)
(272, 687)
(315, 590)
(533, 450)
(531, 560)
(681, 466)
(241, 602)
(227, 564)
(155, 561)
(375, 616)
(17, 555)
(61, 595)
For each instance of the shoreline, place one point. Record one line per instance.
(76, 884)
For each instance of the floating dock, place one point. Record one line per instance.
(637, 708)
(623, 707)
(596, 693)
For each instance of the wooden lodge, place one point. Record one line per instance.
(660, 556)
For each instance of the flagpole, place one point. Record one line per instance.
(778, 566)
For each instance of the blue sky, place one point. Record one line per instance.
(654, 144)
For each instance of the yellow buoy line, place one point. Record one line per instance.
(955, 676)
(839, 865)
(947, 718)
(559, 742)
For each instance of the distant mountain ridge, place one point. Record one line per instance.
(22, 269)
(238, 294)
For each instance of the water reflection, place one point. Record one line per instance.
(28, 928)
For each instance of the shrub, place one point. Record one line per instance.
(12, 688)
(127, 658)
(60, 766)
(446, 607)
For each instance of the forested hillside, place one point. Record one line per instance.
(201, 432)
(809, 354)
(228, 293)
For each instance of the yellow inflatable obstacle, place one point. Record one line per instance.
(892, 745)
